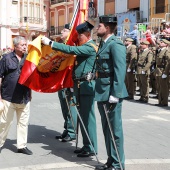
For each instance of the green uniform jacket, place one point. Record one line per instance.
(84, 63)
(111, 58)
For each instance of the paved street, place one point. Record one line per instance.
(146, 132)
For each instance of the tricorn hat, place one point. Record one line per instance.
(85, 26)
(67, 26)
(106, 18)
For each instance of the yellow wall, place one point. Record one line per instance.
(160, 15)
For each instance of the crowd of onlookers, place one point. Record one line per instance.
(5, 51)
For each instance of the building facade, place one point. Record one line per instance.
(27, 18)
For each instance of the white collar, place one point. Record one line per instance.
(107, 38)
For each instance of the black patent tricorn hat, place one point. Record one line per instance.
(67, 26)
(85, 26)
(105, 18)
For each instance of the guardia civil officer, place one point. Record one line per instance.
(68, 110)
(131, 57)
(85, 57)
(143, 70)
(162, 73)
(110, 90)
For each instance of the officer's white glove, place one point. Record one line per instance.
(45, 40)
(113, 99)
(164, 76)
(71, 89)
(128, 70)
(143, 72)
(89, 76)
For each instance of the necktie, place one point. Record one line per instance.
(101, 44)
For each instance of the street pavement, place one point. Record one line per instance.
(146, 135)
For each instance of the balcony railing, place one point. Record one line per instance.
(33, 20)
(56, 30)
(57, 1)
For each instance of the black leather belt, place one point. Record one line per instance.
(140, 65)
(160, 66)
(104, 74)
(80, 79)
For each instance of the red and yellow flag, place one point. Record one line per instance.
(46, 70)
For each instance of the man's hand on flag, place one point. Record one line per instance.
(46, 41)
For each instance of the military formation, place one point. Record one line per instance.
(147, 67)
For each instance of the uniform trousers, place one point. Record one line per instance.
(163, 90)
(115, 118)
(144, 86)
(87, 114)
(130, 83)
(69, 120)
(6, 119)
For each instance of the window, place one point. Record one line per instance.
(37, 13)
(109, 7)
(31, 11)
(159, 6)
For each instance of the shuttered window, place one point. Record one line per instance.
(159, 6)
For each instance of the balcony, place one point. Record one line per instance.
(32, 20)
(56, 30)
(53, 2)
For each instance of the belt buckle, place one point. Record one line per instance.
(97, 74)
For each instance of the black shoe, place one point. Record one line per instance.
(152, 92)
(129, 98)
(25, 151)
(106, 166)
(67, 139)
(79, 150)
(144, 101)
(64, 134)
(58, 136)
(161, 105)
(85, 154)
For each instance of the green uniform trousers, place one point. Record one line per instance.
(68, 123)
(87, 114)
(116, 125)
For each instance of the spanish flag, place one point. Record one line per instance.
(46, 70)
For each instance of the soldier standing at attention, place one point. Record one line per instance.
(85, 57)
(131, 57)
(65, 100)
(143, 70)
(162, 73)
(110, 90)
